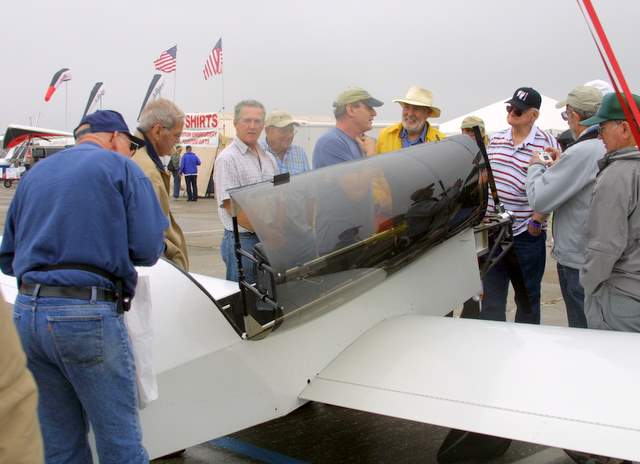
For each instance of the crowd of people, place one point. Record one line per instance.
(76, 272)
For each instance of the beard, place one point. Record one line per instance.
(413, 130)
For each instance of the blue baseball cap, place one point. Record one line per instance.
(106, 121)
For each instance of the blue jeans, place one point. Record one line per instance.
(176, 184)
(531, 253)
(247, 242)
(80, 355)
(573, 295)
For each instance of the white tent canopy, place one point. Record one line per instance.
(495, 117)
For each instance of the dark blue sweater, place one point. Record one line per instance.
(83, 205)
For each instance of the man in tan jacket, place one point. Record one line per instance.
(161, 124)
(20, 439)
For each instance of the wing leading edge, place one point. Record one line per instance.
(568, 388)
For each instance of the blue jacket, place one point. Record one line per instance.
(189, 163)
(83, 205)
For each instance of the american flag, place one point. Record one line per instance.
(167, 61)
(213, 64)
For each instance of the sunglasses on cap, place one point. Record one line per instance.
(516, 111)
(133, 147)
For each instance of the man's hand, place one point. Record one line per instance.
(367, 145)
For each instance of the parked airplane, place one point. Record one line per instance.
(347, 312)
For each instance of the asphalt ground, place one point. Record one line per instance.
(321, 433)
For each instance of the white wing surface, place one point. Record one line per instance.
(562, 387)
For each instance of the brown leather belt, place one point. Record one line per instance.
(77, 293)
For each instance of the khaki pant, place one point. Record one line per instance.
(20, 439)
(608, 309)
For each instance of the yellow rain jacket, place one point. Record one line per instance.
(389, 138)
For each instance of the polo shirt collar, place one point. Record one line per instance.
(528, 140)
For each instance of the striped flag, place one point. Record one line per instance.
(167, 61)
(213, 64)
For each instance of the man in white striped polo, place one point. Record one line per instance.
(509, 153)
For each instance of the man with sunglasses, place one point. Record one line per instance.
(509, 153)
(611, 272)
(161, 124)
(73, 246)
(564, 186)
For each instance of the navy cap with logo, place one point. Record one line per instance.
(525, 98)
(106, 121)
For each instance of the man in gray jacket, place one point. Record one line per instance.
(611, 272)
(564, 186)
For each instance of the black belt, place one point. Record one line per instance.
(78, 293)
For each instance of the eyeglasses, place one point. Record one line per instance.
(603, 125)
(516, 111)
(565, 113)
(133, 147)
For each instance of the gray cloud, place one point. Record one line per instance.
(298, 55)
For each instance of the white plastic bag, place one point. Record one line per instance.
(139, 324)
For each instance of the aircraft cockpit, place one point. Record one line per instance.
(330, 234)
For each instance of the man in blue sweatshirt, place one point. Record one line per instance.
(73, 247)
(564, 186)
(189, 169)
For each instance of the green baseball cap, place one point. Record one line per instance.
(610, 110)
(356, 94)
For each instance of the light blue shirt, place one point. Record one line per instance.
(335, 147)
(404, 137)
(294, 160)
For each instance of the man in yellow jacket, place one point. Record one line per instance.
(161, 124)
(417, 107)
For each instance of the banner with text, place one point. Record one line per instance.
(200, 129)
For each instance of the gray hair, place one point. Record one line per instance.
(160, 111)
(245, 103)
(340, 110)
(582, 114)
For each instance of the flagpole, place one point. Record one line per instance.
(223, 107)
(175, 78)
(66, 104)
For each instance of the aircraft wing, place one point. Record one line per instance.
(15, 135)
(569, 388)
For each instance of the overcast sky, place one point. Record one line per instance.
(298, 55)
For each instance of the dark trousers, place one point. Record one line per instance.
(531, 253)
(176, 184)
(192, 187)
(573, 295)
